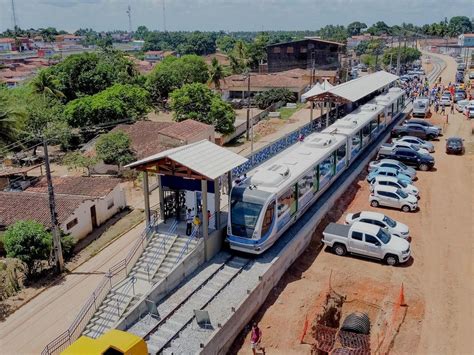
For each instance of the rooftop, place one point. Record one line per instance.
(16, 206)
(16, 170)
(185, 129)
(294, 78)
(314, 39)
(7, 40)
(95, 187)
(203, 158)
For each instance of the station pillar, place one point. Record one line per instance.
(146, 196)
(205, 220)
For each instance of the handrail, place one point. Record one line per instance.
(191, 237)
(100, 293)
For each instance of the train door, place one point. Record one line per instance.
(294, 203)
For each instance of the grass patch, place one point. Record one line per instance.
(286, 113)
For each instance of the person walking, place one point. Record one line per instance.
(443, 109)
(256, 339)
(189, 222)
(452, 107)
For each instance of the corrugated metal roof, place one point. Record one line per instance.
(356, 89)
(203, 157)
(318, 89)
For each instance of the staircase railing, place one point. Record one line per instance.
(116, 274)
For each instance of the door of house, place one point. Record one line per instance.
(94, 217)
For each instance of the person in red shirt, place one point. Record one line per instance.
(256, 339)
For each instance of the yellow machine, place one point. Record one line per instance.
(114, 342)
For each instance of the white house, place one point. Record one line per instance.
(6, 44)
(82, 203)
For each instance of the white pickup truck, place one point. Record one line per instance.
(367, 240)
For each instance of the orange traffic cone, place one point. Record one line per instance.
(401, 297)
(305, 329)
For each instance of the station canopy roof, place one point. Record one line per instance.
(318, 89)
(201, 160)
(356, 89)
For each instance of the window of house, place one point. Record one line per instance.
(276, 50)
(303, 50)
(71, 224)
(290, 50)
(110, 204)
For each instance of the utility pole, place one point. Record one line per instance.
(312, 83)
(15, 24)
(164, 16)
(58, 253)
(398, 55)
(129, 13)
(247, 135)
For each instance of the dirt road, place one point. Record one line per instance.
(437, 281)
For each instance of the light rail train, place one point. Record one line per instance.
(267, 202)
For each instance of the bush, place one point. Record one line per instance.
(28, 241)
(68, 243)
(266, 98)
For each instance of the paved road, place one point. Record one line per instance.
(34, 325)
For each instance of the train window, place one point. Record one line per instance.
(326, 170)
(381, 118)
(365, 133)
(341, 153)
(286, 201)
(316, 179)
(305, 187)
(244, 216)
(356, 141)
(268, 218)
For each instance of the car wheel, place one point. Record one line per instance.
(374, 203)
(430, 137)
(406, 208)
(391, 260)
(424, 167)
(340, 249)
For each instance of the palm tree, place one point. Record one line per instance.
(8, 123)
(46, 84)
(216, 74)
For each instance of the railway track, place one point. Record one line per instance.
(177, 311)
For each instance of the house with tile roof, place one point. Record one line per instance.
(82, 203)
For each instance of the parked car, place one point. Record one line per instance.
(366, 240)
(393, 181)
(422, 162)
(414, 130)
(421, 107)
(402, 144)
(390, 196)
(469, 111)
(445, 100)
(415, 140)
(430, 131)
(461, 104)
(391, 163)
(425, 124)
(379, 219)
(459, 95)
(388, 172)
(454, 145)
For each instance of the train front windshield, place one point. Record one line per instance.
(244, 216)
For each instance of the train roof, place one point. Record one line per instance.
(286, 167)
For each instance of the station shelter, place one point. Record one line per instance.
(194, 175)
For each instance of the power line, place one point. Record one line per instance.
(15, 24)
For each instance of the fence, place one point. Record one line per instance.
(116, 274)
(265, 153)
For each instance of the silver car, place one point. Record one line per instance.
(392, 197)
(415, 140)
(392, 163)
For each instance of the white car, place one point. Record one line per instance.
(469, 111)
(461, 104)
(379, 219)
(392, 197)
(415, 140)
(393, 181)
(415, 147)
(445, 100)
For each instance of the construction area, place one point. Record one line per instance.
(423, 306)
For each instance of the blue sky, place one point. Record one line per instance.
(227, 15)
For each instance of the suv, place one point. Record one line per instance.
(393, 181)
(392, 197)
(414, 130)
(424, 162)
(425, 124)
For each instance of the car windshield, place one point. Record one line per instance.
(404, 184)
(390, 222)
(414, 147)
(244, 216)
(383, 236)
(402, 193)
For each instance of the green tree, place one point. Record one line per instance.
(226, 43)
(118, 102)
(239, 58)
(379, 28)
(257, 50)
(265, 98)
(198, 102)
(9, 119)
(75, 160)
(216, 74)
(355, 28)
(458, 25)
(173, 73)
(141, 32)
(46, 84)
(114, 148)
(28, 241)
